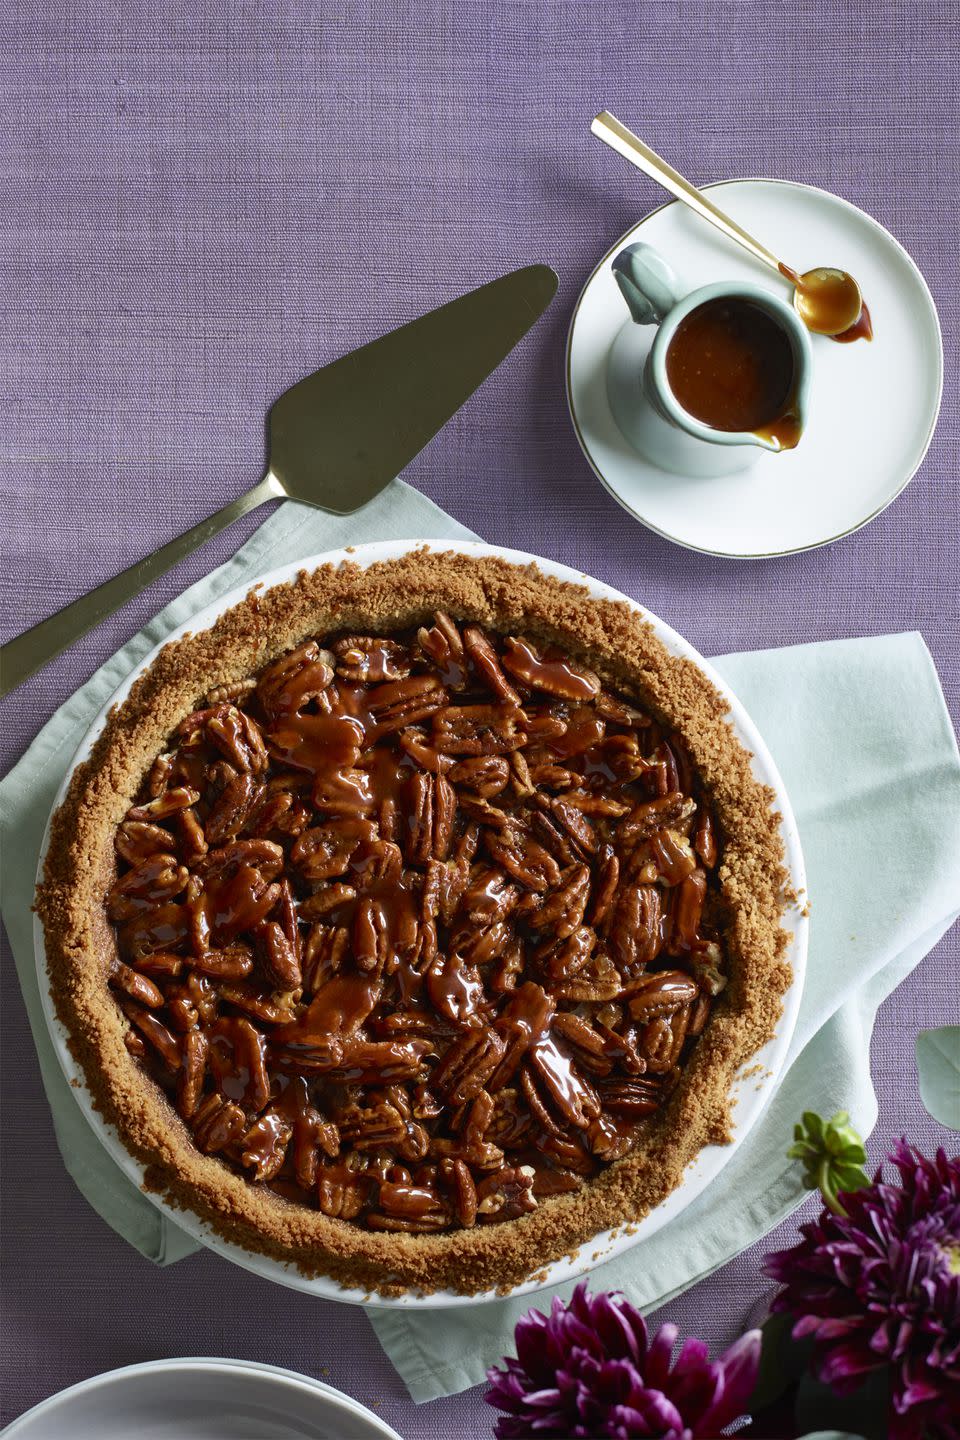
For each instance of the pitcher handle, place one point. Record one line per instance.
(647, 283)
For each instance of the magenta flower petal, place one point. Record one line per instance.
(587, 1369)
(879, 1289)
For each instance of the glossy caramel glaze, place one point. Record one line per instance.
(417, 929)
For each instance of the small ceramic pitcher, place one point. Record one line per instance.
(641, 399)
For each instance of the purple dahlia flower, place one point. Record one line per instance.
(588, 1369)
(879, 1288)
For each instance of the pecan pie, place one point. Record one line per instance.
(411, 923)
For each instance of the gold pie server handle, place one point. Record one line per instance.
(609, 129)
(29, 652)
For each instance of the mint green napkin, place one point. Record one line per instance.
(863, 740)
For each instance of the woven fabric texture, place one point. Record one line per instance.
(202, 201)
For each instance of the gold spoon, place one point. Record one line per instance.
(828, 301)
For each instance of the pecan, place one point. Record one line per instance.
(137, 986)
(562, 911)
(699, 1015)
(524, 1022)
(630, 1098)
(550, 1180)
(442, 645)
(455, 989)
(686, 912)
(193, 842)
(136, 840)
(152, 1029)
(597, 981)
(660, 993)
(511, 1122)
(287, 685)
(157, 879)
(159, 778)
(432, 808)
(326, 898)
(369, 1061)
(477, 729)
(421, 1225)
(264, 856)
(562, 1085)
(264, 1147)
(487, 666)
(324, 852)
(587, 1044)
(400, 703)
(324, 953)
(410, 1202)
(190, 1084)
(373, 1128)
(371, 936)
(161, 928)
(277, 956)
(605, 888)
(575, 823)
(238, 737)
(463, 1191)
(341, 1191)
(467, 1065)
(650, 816)
(524, 859)
(237, 692)
(708, 962)
(217, 1123)
(507, 1194)
(567, 1151)
(371, 659)
(168, 803)
(607, 1141)
(238, 1060)
(161, 963)
(620, 712)
(562, 959)
(233, 808)
(556, 677)
(672, 855)
(635, 933)
(705, 838)
(250, 999)
(489, 897)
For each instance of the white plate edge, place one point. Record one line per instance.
(344, 1402)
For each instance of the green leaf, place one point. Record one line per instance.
(867, 1408)
(832, 1155)
(938, 1065)
(830, 1435)
(782, 1360)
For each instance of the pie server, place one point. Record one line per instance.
(337, 437)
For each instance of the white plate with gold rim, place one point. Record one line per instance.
(873, 406)
(750, 1094)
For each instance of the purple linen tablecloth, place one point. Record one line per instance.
(201, 203)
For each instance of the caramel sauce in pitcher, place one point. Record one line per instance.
(730, 365)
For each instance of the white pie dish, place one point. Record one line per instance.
(750, 1095)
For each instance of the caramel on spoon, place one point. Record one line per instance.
(828, 301)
